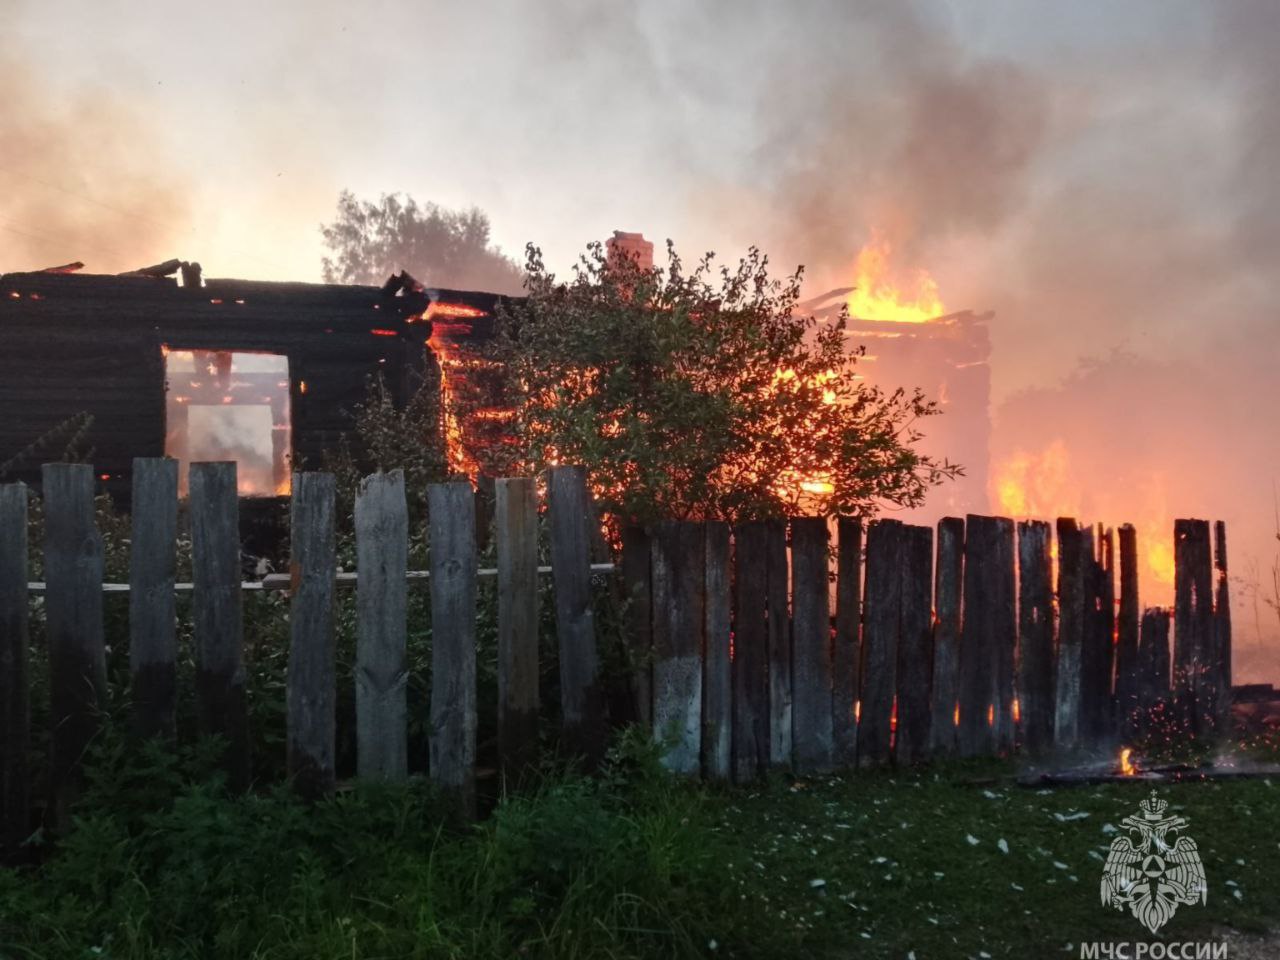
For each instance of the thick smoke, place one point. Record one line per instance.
(82, 177)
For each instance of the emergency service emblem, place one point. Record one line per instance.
(1154, 868)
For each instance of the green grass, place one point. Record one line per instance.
(629, 864)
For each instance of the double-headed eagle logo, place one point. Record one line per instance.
(1153, 876)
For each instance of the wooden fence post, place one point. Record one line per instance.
(987, 637)
(779, 631)
(218, 623)
(1193, 628)
(1222, 632)
(15, 706)
(679, 572)
(1096, 708)
(915, 647)
(153, 562)
(811, 646)
(451, 543)
(948, 577)
(382, 558)
(1035, 628)
(1071, 614)
(717, 689)
(581, 694)
(750, 642)
(312, 680)
(880, 641)
(1127, 634)
(1154, 694)
(638, 590)
(846, 651)
(73, 604)
(516, 528)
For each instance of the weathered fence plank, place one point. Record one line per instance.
(1095, 652)
(1127, 625)
(382, 557)
(581, 694)
(880, 641)
(750, 654)
(216, 611)
(638, 592)
(153, 562)
(1035, 630)
(717, 680)
(779, 626)
(1154, 693)
(516, 523)
(810, 646)
(679, 612)
(15, 706)
(1222, 631)
(987, 637)
(312, 681)
(1071, 627)
(452, 548)
(915, 647)
(948, 580)
(846, 648)
(1193, 627)
(73, 604)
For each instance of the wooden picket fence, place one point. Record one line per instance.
(959, 646)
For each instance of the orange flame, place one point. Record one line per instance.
(1127, 767)
(883, 292)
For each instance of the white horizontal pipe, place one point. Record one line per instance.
(282, 581)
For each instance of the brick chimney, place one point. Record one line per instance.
(633, 245)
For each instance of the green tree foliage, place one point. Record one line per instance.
(441, 247)
(703, 394)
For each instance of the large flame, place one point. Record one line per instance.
(883, 291)
(1047, 484)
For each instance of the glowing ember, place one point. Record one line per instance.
(1127, 767)
(452, 310)
(883, 292)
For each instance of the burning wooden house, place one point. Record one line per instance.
(262, 373)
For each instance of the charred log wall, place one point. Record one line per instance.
(76, 343)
